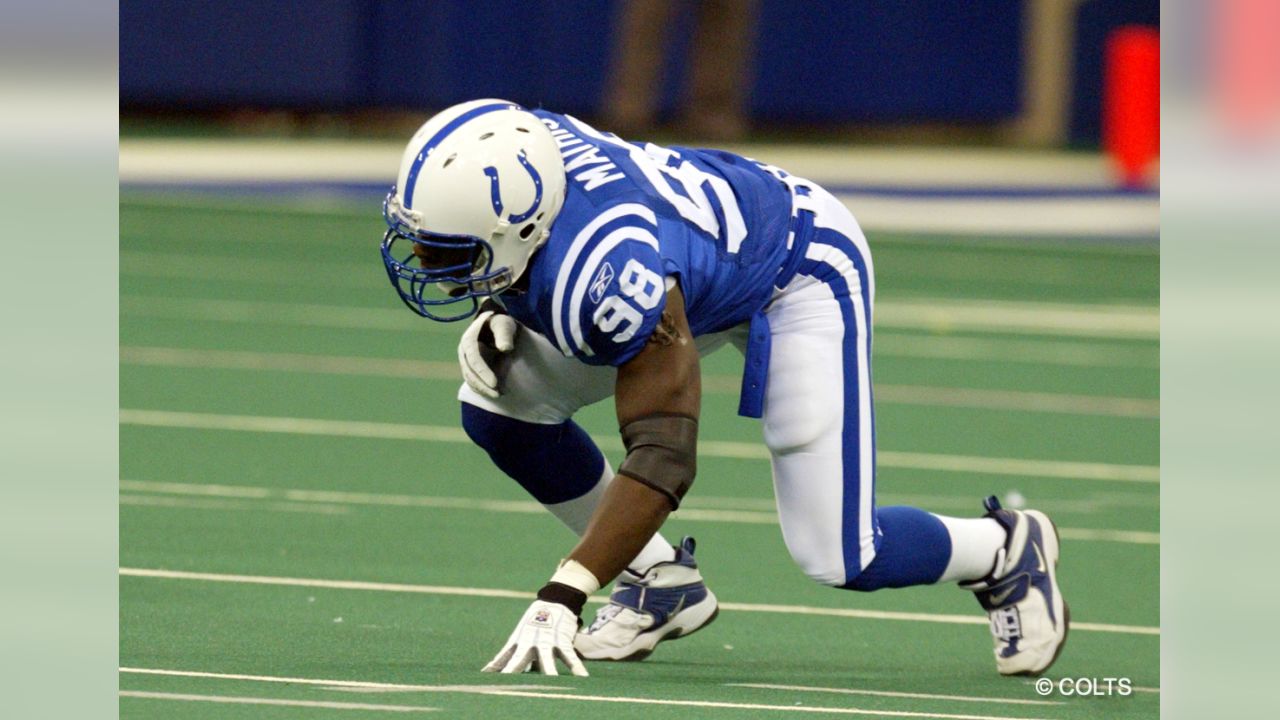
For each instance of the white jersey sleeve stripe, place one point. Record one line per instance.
(575, 249)
(586, 129)
(610, 241)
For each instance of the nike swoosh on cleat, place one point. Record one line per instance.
(997, 599)
(679, 607)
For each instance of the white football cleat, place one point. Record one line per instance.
(1029, 618)
(669, 602)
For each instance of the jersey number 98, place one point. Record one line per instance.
(618, 314)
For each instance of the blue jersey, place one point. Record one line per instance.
(637, 214)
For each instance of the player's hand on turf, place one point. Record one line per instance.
(545, 633)
(491, 335)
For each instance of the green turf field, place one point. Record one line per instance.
(305, 532)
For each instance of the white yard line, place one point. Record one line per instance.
(335, 501)
(334, 684)
(1135, 322)
(555, 695)
(310, 205)
(233, 505)
(892, 694)
(1013, 466)
(757, 706)
(206, 258)
(920, 617)
(1120, 321)
(260, 271)
(1017, 400)
(711, 384)
(714, 448)
(337, 498)
(1096, 501)
(1079, 353)
(513, 594)
(290, 362)
(277, 313)
(240, 700)
(327, 584)
(1136, 537)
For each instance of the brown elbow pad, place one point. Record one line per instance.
(662, 452)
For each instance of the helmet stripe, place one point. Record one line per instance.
(412, 179)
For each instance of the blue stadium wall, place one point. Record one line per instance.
(817, 60)
(823, 60)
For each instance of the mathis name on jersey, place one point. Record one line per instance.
(583, 158)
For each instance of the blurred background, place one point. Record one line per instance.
(1020, 72)
(1027, 118)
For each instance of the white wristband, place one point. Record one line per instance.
(573, 574)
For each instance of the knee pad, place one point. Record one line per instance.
(554, 463)
(829, 576)
(797, 431)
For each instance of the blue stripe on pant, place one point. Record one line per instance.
(912, 547)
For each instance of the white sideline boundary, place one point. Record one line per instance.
(361, 585)
(177, 161)
(144, 159)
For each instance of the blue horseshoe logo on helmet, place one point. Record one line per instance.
(495, 191)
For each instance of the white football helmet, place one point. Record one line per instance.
(479, 186)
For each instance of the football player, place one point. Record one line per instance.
(593, 267)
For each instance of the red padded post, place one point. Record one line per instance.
(1131, 101)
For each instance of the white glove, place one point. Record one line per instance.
(545, 632)
(478, 350)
